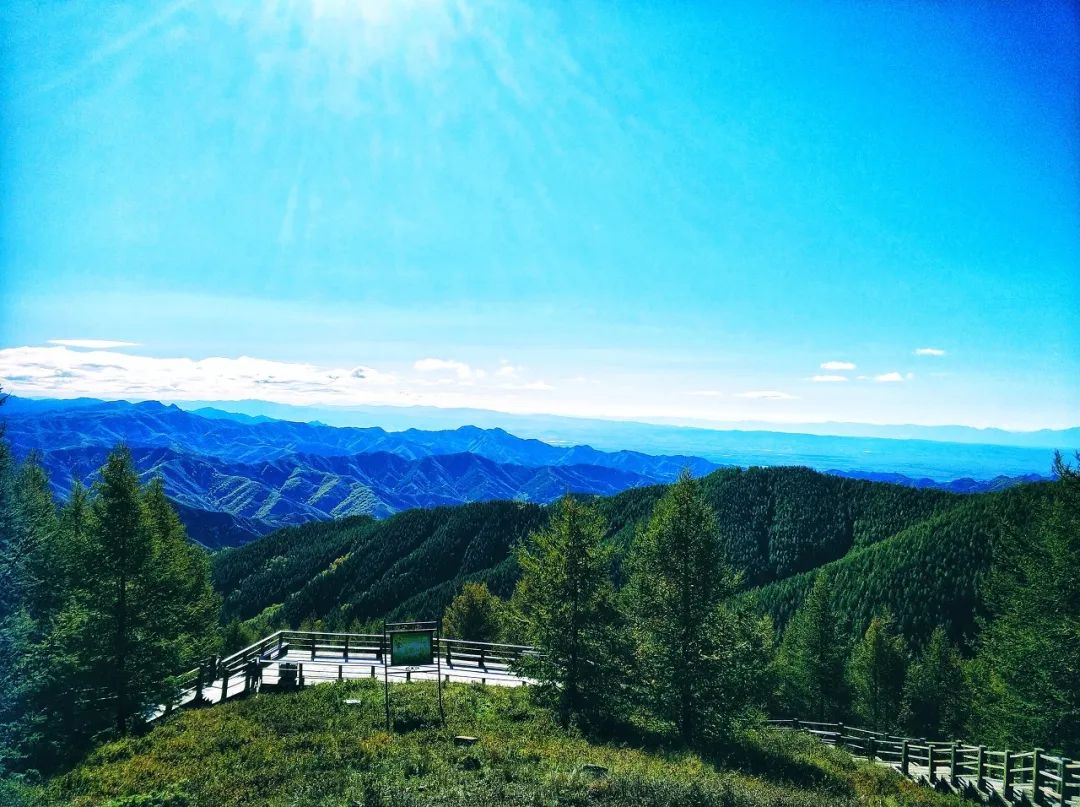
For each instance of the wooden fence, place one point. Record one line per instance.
(1034, 776)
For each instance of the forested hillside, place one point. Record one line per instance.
(775, 524)
(927, 575)
(357, 569)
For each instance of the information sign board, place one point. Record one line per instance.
(411, 648)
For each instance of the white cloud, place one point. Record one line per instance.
(463, 371)
(767, 395)
(828, 379)
(532, 385)
(92, 344)
(65, 373)
(890, 377)
(507, 370)
(929, 351)
(837, 365)
(706, 393)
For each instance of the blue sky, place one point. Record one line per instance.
(674, 210)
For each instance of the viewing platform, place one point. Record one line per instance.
(294, 659)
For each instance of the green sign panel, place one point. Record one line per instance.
(411, 648)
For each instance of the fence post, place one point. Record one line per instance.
(1036, 794)
(795, 723)
(839, 735)
(952, 763)
(930, 762)
(198, 683)
(482, 665)
(980, 768)
(300, 675)
(280, 644)
(224, 684)
(313, 647)
(871, 748)
(1006, 785)
(346, 653)
(905, 762)
(1063, 772)
(341, 672)
(379, 650)
(449, 661)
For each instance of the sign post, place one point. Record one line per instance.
(411, 645)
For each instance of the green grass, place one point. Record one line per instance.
(311, 748)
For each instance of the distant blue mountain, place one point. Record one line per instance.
(49, 425)
(234, 476)
(262, 496)
(698, 439)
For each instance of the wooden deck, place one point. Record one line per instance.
(1013, 777)
(316, 658)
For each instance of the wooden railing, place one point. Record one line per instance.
(238, 672)
(1014, 776)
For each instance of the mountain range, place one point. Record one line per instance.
(699, 438)
(234, 478)
(237, 476)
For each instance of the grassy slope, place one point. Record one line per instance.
(311, 748)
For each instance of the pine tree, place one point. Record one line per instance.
(122, 548)
(935, 698)
(876, 674)
(563, 604)
(148, 606)
(10, 646)
(697, 655)
(37, 586)
(184, 609)
(474, 614)
(811, 657)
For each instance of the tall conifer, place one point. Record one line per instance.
(699, 659)
(811, 658)
(564, 605)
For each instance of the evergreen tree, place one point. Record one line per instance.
(182, 605)
(474, 614)
(36, 590)
(10, 648)
(698, 654)
(117, 606)
(112, 601)
(935, 698)
(876, 674)
(1027, 670)
(811, 658)
(563, 603)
